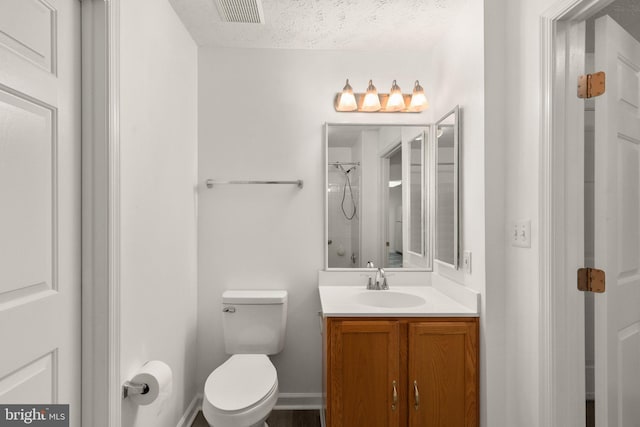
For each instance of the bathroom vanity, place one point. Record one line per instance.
(402, 353)
(393, 361)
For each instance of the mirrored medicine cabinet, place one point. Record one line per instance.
(391, 195)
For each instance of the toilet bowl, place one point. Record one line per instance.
(241, 392)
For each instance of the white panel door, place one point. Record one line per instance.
(40, 203)
(617, 228)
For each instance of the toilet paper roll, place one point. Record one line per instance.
(158, 376)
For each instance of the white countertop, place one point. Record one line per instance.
(349, 301)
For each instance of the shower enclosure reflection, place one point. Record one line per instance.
(377, 203)
(343, 192)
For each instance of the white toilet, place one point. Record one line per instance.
(243, 390)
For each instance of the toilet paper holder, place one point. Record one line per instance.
(131, 388)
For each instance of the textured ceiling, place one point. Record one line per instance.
(325, 24)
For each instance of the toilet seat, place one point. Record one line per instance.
(240, 382)
(245, 387)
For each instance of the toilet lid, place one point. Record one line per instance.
(240, 382)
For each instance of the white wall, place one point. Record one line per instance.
(159, 171)
(461, 62)
(513, 116)
(261, 117)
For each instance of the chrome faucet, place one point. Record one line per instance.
(381, 280)
(370, 281)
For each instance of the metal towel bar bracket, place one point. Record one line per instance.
(210, 182)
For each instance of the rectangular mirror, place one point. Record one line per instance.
(447, 148)
(377, 205)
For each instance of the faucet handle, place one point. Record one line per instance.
(384, 286)
(369, 277)
(370, 283)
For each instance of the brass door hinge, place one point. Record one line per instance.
(591, 280)
(591, 85)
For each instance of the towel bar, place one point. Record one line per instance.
(210, 182)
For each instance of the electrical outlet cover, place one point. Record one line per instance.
(466, 261)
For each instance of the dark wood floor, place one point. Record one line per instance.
(312, 418)
(591, 413)
(278, 419)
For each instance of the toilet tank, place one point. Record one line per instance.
(254, 322)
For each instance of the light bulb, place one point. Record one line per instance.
(418, 99)
(371, 100)
(347, 101)
(396, 100)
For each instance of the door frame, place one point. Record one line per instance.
(562, 350)
(384, 162)
(101, 388)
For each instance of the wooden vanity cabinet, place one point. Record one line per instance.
(401, 372)
(364, 363)
(443, 372)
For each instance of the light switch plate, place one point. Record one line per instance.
(521, 234)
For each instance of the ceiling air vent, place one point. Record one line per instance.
(241, 11)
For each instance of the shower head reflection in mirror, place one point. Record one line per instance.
(347, 184)
(377, 202)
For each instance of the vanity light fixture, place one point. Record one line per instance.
(371, 101)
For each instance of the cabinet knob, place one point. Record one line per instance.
(416, 394)
(394, 405)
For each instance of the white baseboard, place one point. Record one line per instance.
(299, 401)
(191, 412)
(291, 401)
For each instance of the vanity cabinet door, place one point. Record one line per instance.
(363, 382)
(443, 374)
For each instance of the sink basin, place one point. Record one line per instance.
(389, 299)
(400, 301)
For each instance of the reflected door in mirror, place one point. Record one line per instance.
(447, 189)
